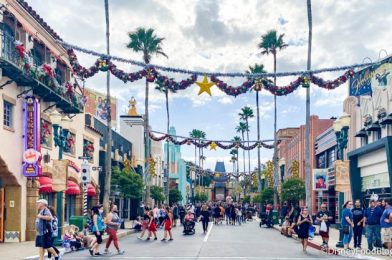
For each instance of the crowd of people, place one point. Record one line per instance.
(376, 220)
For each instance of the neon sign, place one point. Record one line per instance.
(32, 145)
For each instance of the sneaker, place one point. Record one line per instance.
(140, 238)
(147, 239)
(98, 254)
(120, 252)
(163, 239)
(171, 239)
(91, 252)
(156, 238)
(106, 252)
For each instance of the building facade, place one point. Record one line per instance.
(36, 81)
(370, 133)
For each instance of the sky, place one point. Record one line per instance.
(222, 36)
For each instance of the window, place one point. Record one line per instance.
(376, 135)
(331, 158)
(70, 147)
(8, 119)
(69, 207)
(46, 133)
(88, 149)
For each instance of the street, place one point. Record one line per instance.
(222, 242)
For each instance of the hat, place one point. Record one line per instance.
(43, 201)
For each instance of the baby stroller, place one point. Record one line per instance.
(265, 219)
(189, 227)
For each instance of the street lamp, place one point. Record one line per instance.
(61, 127)
(341, 126)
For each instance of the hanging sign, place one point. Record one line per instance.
(32, 148)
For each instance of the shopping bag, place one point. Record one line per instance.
(323, 227)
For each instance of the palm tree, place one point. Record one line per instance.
(233, 159)
(242, 128)
(308, 180)
(258, 68)
(237, 139)
(148, 43)
(270, 43)
(164, 89)
(245, 114)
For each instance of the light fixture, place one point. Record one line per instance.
(345, 120)
(337, 126)
(66, 122)
(55, 118)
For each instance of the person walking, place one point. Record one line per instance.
(205, 217)
(283, 212)
(386, 225)
(359, 221)
(175, 214)
(43, 227)
(347, 223)
(372, 221)
(98, 227)
(113, 222)
(145, 221)
(54, 230)
(324, 217)
(304, 222)
(168, 225)
(152, 226)
(181, 212)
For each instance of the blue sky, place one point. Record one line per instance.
(223, 36)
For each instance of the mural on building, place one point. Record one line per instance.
(97, 105)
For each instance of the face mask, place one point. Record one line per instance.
(101, 211)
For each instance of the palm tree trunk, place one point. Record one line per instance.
(308, 182)
(243, 152)
(108, 157)
(275, 157)
(167, 146)
(147, 145)
(247, 137)
(259, 188)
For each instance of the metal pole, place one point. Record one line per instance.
(108, 158)
(308, 179)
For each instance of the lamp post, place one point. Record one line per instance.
(341, 126)
(60, 132)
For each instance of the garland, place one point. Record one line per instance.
(198, 144)
(152, 75)
(217, 74)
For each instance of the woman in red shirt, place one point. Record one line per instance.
(152, 227)
(168, 225)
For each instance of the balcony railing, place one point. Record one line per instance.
(21, 67)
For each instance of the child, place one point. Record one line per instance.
(137, 225)
(152, 227)
(89, 242)
(285, 227)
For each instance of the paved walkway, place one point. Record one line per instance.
(222, 242)
(27, 250)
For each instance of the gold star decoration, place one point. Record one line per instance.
(205, 86)
(213, 146)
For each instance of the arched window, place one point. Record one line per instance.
(8, 40)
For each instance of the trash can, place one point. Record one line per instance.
(78, 221)
(275, 217)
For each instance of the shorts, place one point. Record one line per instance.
(324, 234)
(99, 237)
(44, 241)
(386, 235)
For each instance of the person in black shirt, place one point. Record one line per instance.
(324, 216)
(205, 217)
(358, 223)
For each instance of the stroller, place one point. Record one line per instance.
(265, 219)
(189, 227)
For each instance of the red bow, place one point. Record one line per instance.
(21, 50)
(48, 70)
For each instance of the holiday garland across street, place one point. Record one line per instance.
(152, 75)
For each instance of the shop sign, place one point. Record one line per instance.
(32, 145)
(364, 81)
(73, 165)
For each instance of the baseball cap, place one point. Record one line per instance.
(43, 201)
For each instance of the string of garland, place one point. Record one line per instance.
(200, 144)
(151, 74)
(216, 74)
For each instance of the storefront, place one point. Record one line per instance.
(371, 170)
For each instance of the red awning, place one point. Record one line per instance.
(72, 188)
(45, 184)
(91, 190)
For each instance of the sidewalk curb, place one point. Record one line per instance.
(104, 239)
